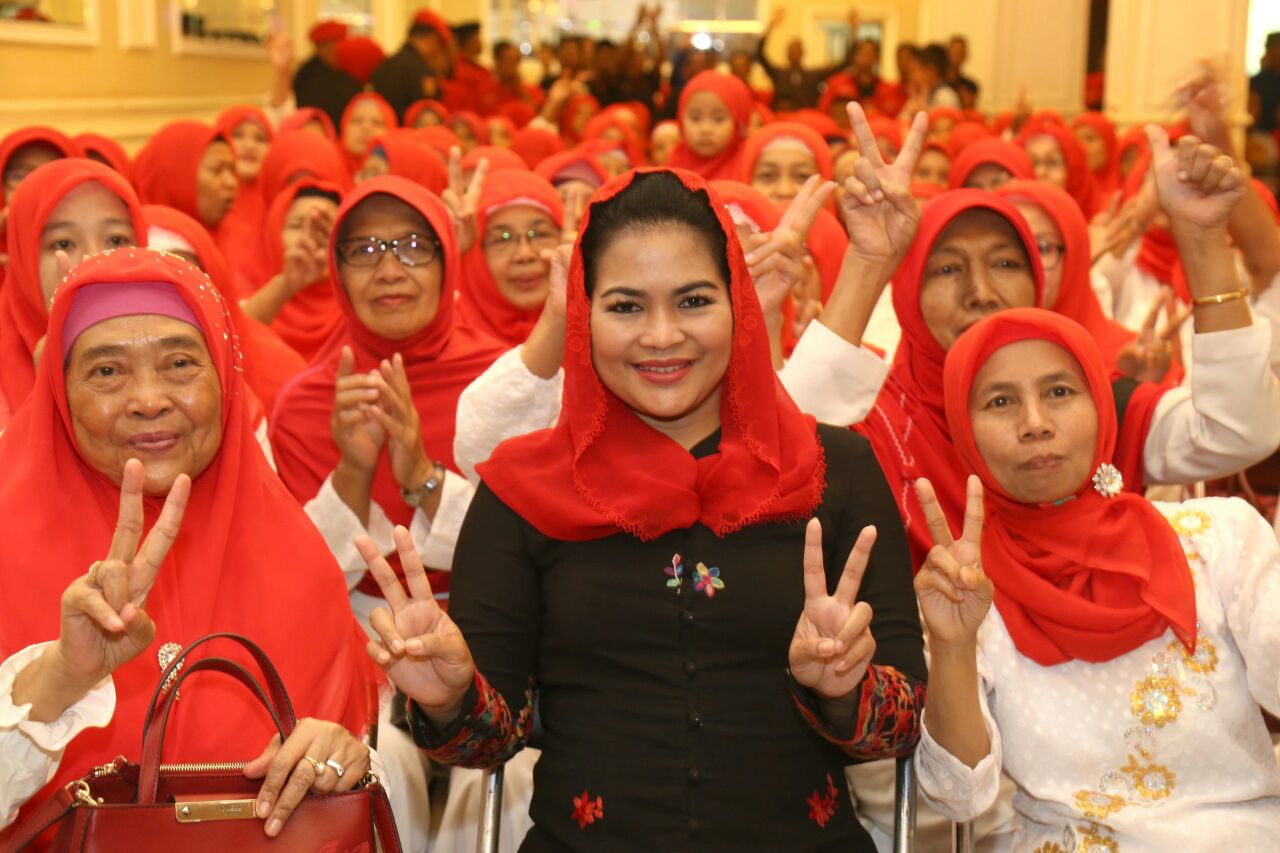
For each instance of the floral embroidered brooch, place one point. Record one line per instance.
(705, 580)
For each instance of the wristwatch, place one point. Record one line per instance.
(415, 497)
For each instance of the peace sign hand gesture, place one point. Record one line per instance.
(418, 646)
(1149, 356)
(103, 623)
(832, 645)
(879, 211)
(954, 593)
(776, 264)
(463, 199)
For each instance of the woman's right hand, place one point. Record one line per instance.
(353, 425)
(954, 592)
(418, 646)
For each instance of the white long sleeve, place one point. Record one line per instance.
(832, 379)
(505, 401)
(30, 752)
(1227, 420)
(956, 790)
(435, 538)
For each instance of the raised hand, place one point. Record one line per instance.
(1196, 183)
(954, 593)
(464, 198)
(103, 622)
(776, 262)
(1149, 357)
(832, 645)
(399, 417)
(557, 293)
(575, 205)
(418, 646)
(307, 261)
(1204, 97)
(280, 51)
(354, 427)
(879, 211)
(1113, 230)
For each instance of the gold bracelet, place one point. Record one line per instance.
(1219, 298)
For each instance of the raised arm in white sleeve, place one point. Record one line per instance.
(831, 378)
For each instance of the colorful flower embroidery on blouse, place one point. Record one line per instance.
(587, 810)
(676, 571)
(888, 719)
(708, 580)
(822, 806)
(488, 736)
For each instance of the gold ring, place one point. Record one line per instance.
(93, 573)
(317, 766)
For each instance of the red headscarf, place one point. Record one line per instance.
(1108, 175)
(409, 156)
(247, 559)
(821, 123)
(269, 363)
(300, 118)
(473, 122)
(1076, 298)
(534, 145)
(441, 361)
(481, 304)
(301, 154)
(359, 56)
(965, 134)
(440, 138)
(23, 316)
(518, 112)
(23, 137)
(251, 206)
(1006, 155)
(612, 127)
(569, 112)
(311, 316)
(601, 470)
(761, 139)
(737, 99)
(551, 167)
(937, 114)
(417, 108)
(499, 121)
(1133, 138)
(840, 87)
(907, 427)
(885, 128)
(104, 149)
(1081, 185)
(355, 161)
(499, 159)
(1091, 578)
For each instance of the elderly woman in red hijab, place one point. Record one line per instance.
(713, 113)
(141, 408)
(675, 438)
(1118, 677)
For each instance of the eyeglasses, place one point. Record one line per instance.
(502, 242)
(413, 250)
(1050, 254)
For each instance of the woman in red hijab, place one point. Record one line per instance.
(76, 206)
(25, 150)
(988, 163)
(576, 111)
(311, 119)
(535, 144)
(1060, 159)
(249, 131)
(675, 439)
(713, 114)
(1112, 614)
(366, 117)
(218, 566)
(299, 154)
(966, 133)
(941, 122)
(470, 129)
(499, 158)
(190, 167)
(505, 279)
(370, 423)
(441, 139)
(1098, 136)
(426, 113)
(501, 129)
(405, 153)
(104, 149)
(269, 363)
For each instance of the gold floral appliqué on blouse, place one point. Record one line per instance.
(1190, 522)
(1155, 700)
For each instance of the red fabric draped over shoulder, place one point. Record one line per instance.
(24, 317)
(738, 100)
(1090, 578)
(601, 470)
(246, 560)
(998, 152)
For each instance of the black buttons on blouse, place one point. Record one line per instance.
(690, 668)
(692, 774)
(694, 826)
(686, 616)
(695, 720)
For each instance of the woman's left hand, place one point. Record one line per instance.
(299, 765)
(832, 645)
(776, 260)
(463, 199)
(397, 414)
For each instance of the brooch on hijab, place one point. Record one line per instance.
(1107, 480)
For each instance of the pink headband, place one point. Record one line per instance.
(96, 303)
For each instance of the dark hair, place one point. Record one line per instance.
(499, 47)
(653, 199)
(419, 30)
(935, 56)
(959, 38)
(606, 44)
(873, 42)
(462, 32)
(316, 192)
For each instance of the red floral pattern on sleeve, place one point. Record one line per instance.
(888, 720)
(822, 806)
(488, 737)
(587, 810)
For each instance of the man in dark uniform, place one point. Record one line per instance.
(407, 75)
(319, 82)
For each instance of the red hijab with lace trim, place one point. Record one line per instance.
(1081, 184)
(738, 100)
(907, 427)
(269, 363)
(480, 303)
(247, 559)
(352, 160)
(602, 471)
(1090, 578)
(1076, 298)
(995, 152)
(441, 360)
(24, 318)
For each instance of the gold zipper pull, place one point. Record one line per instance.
(79, 789)
(112, 769)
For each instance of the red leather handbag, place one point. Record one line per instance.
(150, 806)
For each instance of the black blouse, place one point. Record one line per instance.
(669, 719)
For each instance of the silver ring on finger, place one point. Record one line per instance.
(317, 766)
(337, 768)
(93, 574)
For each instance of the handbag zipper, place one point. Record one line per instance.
(114, 768)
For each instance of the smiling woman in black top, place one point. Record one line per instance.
(705, 657)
